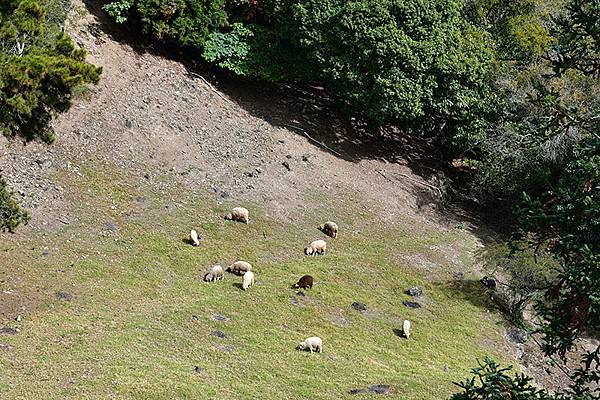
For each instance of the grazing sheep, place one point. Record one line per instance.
(215, 274)
(406, 328)
(329, 228)
(239, 267)
(248, 280)
(239, 214)
(316, 247)
(306, 282)
(312, 344)
(194, 238)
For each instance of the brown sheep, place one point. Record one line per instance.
(306, 282)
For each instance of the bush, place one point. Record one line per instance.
(11, 215)
(491, 382)
(40, 70)
(417, 64)
(185, 23)
(247, 50)
(521, 275)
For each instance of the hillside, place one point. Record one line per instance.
(110, 294)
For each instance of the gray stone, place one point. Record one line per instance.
(110, 225)
(411, 304)
(219, 334)
(8, 331)
(219, 317)
(359, 306)
(414, 291)
(375, 389)
(64, 296)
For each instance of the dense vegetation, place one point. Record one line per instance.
(40, 69)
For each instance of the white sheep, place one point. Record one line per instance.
(194, 238)
(239, 214)
(248, 280)
(215, 274)
(406, 328)
(316, 247)
(314, 343)
(329, 228)
(239, 267)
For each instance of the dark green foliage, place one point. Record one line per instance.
(491, 382)
(578, 33)
(39, 72)
(248, 50)
(567, 219)
(519, 27)
(11, 215)
(182, 22)
(417, 64)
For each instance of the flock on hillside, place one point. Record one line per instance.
(244, 269)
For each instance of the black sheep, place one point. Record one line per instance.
(306, 282)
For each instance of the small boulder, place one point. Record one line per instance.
(219, 317)
(219, 334)
(8, 331)
(414, 291)
(375, 389)
(411, 304)
(359, 306)
(64, 296)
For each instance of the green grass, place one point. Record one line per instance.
(140, 320)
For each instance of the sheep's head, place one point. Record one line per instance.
(302, 345)
(208, 277)
(228, 216)
(308, 250)
(296, 286)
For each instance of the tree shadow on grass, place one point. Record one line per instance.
(470, 290)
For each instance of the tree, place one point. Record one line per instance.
(39, 71)
(185, 23)
(567, 220)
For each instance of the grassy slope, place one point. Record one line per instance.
(130, 330)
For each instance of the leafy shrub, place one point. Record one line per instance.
(182, 22)
(412, 63)
(521, 275)
(10, 213)
(568, 219)
(39, 71)
(251, 50)
(491, 382)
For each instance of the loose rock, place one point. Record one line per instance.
(219, 334)
(219, 317)
(64, 296)
(411, 304)
(359, 306)
(376, 389)
(8, 331)
(414, 291)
